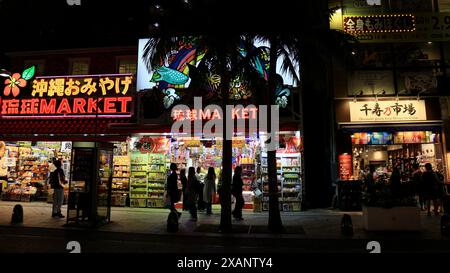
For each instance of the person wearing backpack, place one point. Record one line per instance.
(57, 181)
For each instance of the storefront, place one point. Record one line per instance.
(47, 118)
(378, 136)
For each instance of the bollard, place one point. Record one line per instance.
(346, 225)
(17, 216)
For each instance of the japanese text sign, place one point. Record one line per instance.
(419, 27)
(387, 111)
(379, 23)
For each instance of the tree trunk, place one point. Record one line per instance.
(225, 197)
(319, 120)
(274, 224)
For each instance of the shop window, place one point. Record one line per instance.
(370, 83)
(38, 64)
(417, 54)
(127, 65)
(79, 67)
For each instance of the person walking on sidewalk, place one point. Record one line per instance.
(184, 183)
(57, 181)
(209, 189)
(193, 186)
(172, 188)
(236, 190)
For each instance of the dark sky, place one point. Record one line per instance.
(53, 24)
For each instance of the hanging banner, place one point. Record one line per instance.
(387, 111)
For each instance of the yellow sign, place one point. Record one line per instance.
(81, 85)
(418, 27)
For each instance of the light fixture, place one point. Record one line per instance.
(52, 134)
(156, 24)
(430, 43)
(85, 135)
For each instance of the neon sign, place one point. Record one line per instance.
(101, 95)
(200, 114)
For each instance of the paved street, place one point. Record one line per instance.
(143, 230)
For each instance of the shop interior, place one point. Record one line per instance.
(383, 151)
(140, 168)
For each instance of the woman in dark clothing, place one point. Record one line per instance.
(193, 189)
(172, 188)
(395, 183)
(184, 183)
(236, 190)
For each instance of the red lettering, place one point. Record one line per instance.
(244, 113)
(92, 106)
(205, 114)
(64, 107)
(216, 114)
(109, 106)
(124, 103)
(253, 110)
(78, 105)
(235, 113)
(48, 108)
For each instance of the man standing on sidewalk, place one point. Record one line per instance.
(57, 181)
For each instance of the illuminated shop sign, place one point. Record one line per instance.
(92, 95)
(386, 138)
(379, 23)
(387, 111)
(207, 114)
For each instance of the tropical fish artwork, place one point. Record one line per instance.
(169, 75)
(173, 72)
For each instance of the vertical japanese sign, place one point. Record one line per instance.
(345, 167)
(387, 111)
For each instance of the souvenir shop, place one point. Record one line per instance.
(405, 133)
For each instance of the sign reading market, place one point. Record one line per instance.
(71, 96)
(387, 111)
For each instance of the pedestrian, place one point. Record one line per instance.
(200, 178)
(431, 187)
(416, 179)
(57, 181)
(236, 191)
(209, 189)
(193, 186)
(184, 183)
(172, 188)
(395, 183)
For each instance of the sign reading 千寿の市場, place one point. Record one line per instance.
(388, 111)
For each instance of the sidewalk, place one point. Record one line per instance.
(312, 224)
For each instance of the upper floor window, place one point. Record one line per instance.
(79, 66)
(127, 65)
(38, 64)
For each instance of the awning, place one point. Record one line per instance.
(59, 126)
(429, 125)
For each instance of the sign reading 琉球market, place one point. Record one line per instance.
(388, 111)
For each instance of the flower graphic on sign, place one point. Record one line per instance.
(16, 80)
